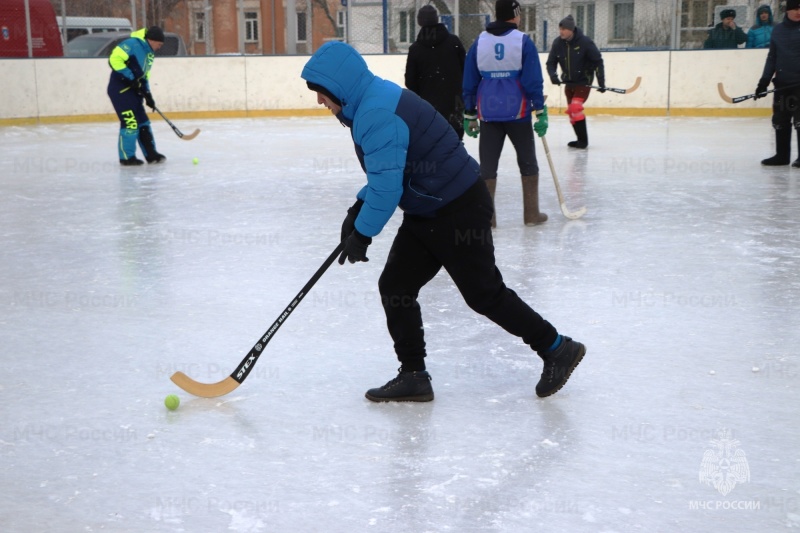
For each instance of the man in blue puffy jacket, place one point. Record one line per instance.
(414, 160)
(130, 62)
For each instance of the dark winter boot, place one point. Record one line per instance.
(783, 148)
(406, 387)
(530, 201)
(558, 366)
(131, 162)
(492, 186)
(583, 136)
(148, 144)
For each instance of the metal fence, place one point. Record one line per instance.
(265, 27)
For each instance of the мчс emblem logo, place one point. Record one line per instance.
(724, 465)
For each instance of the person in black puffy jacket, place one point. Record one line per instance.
(435, 67)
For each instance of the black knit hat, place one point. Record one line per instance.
(506, 9)
(792, 4)
(323, 90)
(568, 23)
(725, 13)
(154, 33)
(427, 16)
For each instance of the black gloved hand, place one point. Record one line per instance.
(554, 80)
(349, 224)
(761, 90)
(355, 248)
(148, 99)
(602, 88)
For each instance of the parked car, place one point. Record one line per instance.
(45, 37)
(101, 44)
(77, 26)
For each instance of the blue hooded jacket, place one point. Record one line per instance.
(413, 158)
(761, 32)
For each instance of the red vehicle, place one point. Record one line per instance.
(45, 37)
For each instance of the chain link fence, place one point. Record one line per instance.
(44, 28)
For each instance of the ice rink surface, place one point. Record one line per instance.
(682, 280)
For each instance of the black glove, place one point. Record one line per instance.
(148, 99)
(349, 224)
(761, 90)
(355, 248)
(554, 80)
(602, 88)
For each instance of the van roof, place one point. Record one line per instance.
(89, 22)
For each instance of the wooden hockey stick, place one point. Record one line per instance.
(212, 390)
(567, 213)
(737, 99)
(178, 132)
(621, 91)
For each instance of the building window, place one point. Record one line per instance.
(199, 26)
(408, 26)
(341, 24)
(622, 21)
(584, 18)
(302, 30)
(528, 21)
(251, 26)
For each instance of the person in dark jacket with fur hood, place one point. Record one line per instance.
(435, 67)
(580, 61)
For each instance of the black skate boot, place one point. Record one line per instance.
(783, 146)
(131, 162)
(558, 366)
(583, 135)
(406, 387)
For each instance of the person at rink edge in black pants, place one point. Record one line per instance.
(414, 160)
(783, 62)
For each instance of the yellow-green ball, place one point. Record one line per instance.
(172, 402)
(195, 160)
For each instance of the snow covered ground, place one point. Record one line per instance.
(682, 280)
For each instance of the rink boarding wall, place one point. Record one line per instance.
(675, 83)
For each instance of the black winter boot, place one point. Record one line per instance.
(406, 387)
(131, 162)
(783, 148)
(148, 144)
(558, 366)
(583, 136)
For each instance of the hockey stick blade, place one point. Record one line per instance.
(737, 99)
(230, 383)
(573, 215)
(178, 132)
(191, 136)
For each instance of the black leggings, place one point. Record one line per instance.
(459, 239)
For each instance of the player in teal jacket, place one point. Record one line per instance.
(128, 85)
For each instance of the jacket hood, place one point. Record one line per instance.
(340, 68)
(432, 35)
(763, 9)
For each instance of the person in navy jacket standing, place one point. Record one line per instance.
(503, 88)
(414, 160)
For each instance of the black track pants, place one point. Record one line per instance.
(490, 146)
(459, 239)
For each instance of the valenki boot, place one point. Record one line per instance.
(783, 148)
(530, 201)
